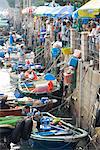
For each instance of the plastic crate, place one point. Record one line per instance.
(66, 50)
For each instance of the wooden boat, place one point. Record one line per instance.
(39, 88)
(14, 128)
(23, 67)
(59, 137)
(43, 104)
(6, 109)
(10, 112)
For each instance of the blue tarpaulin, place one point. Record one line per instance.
(49, 77)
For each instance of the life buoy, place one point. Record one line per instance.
(50, 86)
(17, 132)
(27, 129)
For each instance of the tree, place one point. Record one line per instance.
(41, 2)
(11, 3)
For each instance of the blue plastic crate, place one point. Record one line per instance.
(73, 61)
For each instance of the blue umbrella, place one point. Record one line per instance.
(49, 77)
(64, 10)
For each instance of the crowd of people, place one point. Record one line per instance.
(59, 29)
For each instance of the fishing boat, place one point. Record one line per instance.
(14, 128)
(10, 112)
(6, 108)
(55, 134)
(43, 104)
(18, 67)
(41, 87)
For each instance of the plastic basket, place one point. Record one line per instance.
(66, 50)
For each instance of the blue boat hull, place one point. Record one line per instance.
(52, 145)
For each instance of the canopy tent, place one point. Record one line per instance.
(59, 11)
(28, 10)
(65, 14)
(52, 11)
(91, 9)
(65, 10)
(4, 24)
(41, 10)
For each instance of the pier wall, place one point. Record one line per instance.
(88, 83)
(86, 102)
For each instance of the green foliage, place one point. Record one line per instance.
(41, 2)
(21, 3)
(11, 3)
(64, 2)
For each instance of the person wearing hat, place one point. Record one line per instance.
(3, 101)
(42, 35)
(75, 25)
(37, 117)
(57, 28)
(63, 31)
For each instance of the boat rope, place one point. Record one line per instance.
(67, 100)
(48, 65)
(91, 142)
(45, 71)
(53, 96)
(42, 51)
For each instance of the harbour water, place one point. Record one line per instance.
(7, 87)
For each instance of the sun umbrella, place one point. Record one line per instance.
(41, 10)
(91, 9)
(65, 10)
(49, 11)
